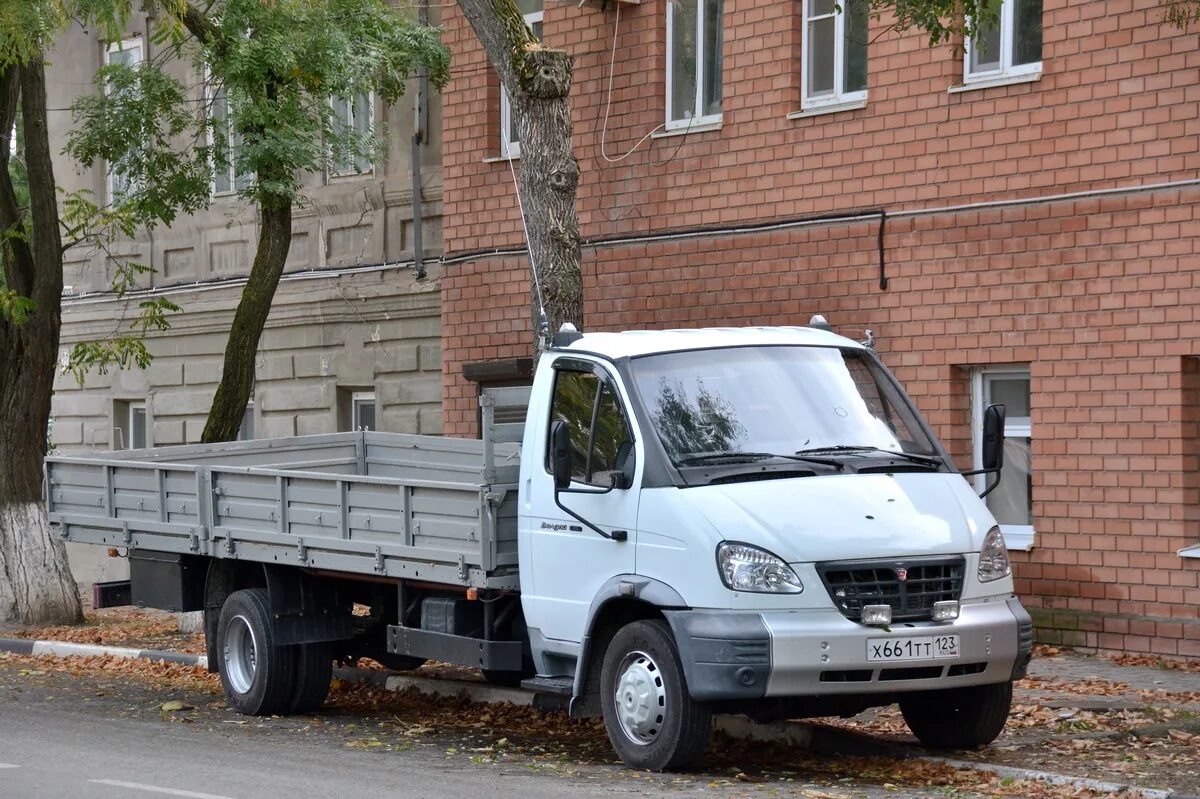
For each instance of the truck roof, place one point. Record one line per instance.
(632, 343)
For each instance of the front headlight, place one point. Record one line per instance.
(993, 558)
(747, 568)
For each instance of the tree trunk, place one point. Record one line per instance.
(36, 586)
(538, 82)
(237, 378)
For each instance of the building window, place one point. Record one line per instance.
(510, 137)
(126, 53)
(835, 52)
(1010, 49)
(226, 179)
(129, 424)
(1012, 501)
(246, 431)
(353, 117)
(694, 41)
(362, 409)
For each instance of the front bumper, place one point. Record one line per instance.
(736, 655)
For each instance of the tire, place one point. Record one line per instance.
(314, 671)
(257, 674)
(652, 720)
(958, 718)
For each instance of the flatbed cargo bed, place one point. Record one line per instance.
(387, 505)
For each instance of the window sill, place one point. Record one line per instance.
(832, 108)
(1190, 552)
(340, 176)
(1022, 540)
(700, 127)
(999, 80)
(500, 159)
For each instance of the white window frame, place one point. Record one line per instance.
(698, 100)
(1016, 536)
(1006, 72)
(357, 397)
(123, 423)
(120, 47)
(210, 95)
(839, 96)
(352, 172)
(509, 148)
(248, 414)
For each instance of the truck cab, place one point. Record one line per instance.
(754, 519)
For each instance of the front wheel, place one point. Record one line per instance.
(958, 718)
(651, 719)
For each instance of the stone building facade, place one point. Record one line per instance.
(1019, 223)
(353, 338)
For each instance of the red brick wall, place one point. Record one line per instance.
(1098, 295)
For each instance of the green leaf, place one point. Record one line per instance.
(14, 307)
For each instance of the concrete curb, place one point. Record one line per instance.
(62, 649)
(1079, 783)
(818, 739)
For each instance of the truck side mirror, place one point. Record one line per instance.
(560, 454)
(993, 438)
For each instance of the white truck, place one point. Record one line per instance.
(687, 522)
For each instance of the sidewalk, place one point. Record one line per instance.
(1070, 667)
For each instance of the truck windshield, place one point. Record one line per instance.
(760, 402)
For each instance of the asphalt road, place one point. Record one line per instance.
(88, 737)
(54, 750)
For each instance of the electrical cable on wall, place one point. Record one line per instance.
(612, 60)
(543, 333)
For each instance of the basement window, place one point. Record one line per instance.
(129, 424)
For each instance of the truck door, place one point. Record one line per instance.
(569, 560)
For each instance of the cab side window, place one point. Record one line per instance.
(600, 440)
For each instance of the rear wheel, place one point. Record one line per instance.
(652, 721)
(958, 718)
(314, 671)
(257, 674)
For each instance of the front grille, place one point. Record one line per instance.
(853, 585)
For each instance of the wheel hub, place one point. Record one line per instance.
(641, 698)
(240, 655)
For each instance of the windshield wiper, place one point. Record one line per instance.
(750, 457)
(930, 460)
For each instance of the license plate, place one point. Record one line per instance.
(927, 647)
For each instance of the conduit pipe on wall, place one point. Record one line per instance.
(475, 255)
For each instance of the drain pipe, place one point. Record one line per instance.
(420, 125)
